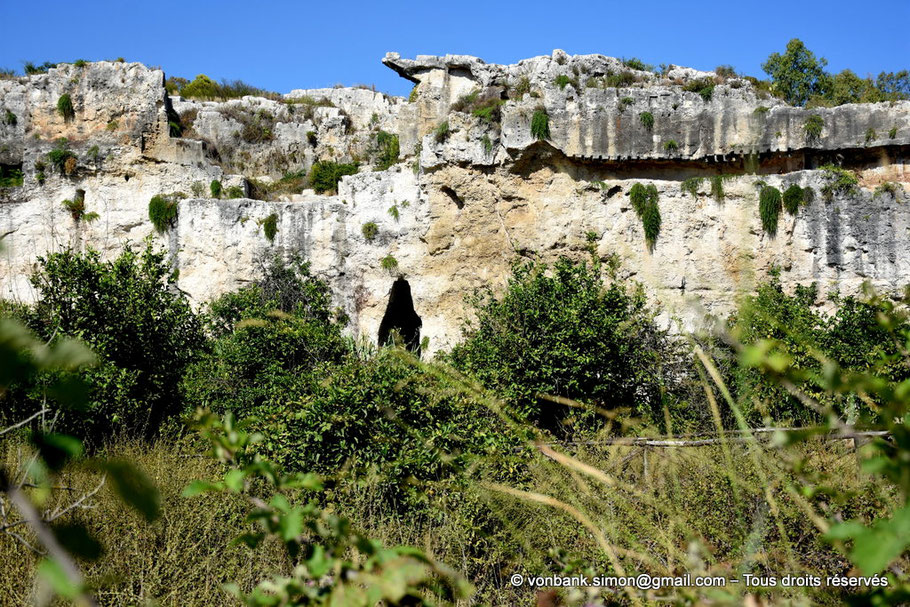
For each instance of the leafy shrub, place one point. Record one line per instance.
(558, 330)
(270, 226)
(487, 144)
(30, 68)
(76, 206)
(269, 341)
(388, 263)
(393, 212)
(488, 109)
(637, 64)
(65, 107)
(202, 87)
(725, 71)
(540, 124)
(562, 81)
(761, 110)
(769, 207)
(704, 87)
(142, 329)
(215, 188)
(793, 198)
(797, 74)
(644, 202)
(311, 138)
(646, 119)
(717, 187)
(369, 230)
(325, 175)
(10, 177)
(671, 146)
(813, 128)
(888, 188)
(619, 80)
(840, 182)
(441, 132)
(162, 212)
(624, 103)
(387, 150)
(234, 191)
(10, 119)
(62, 157)
(520, 88)
(691, 185)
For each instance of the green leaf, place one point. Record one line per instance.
(875, 547)
(134, 487)
(248, 539)
(75, 538)
(56, 449)
(51, 572)
(290, 525)
(233, 480)
(197, 487)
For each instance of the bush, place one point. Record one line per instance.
(704, 87)
(370, 230)
(540, 124)
(62, 157)
(797, 74)
(388, 263)
(717, 187)
(142, 329)
(813, 128)
(441, 132)
(562, 81)
(690, 185)
(162, 212)
(671, 146)
(270, 226)
(387, 150)
(10, 178)
(624, 103)
(325, 175)
(793, 199)
(644, 202)
(202, 87)
(637, 64)
(215, 188)
(269, 341)
(65, 107)
(10, 119)
(557, 330)
(647, 120)
(769, 207)
(840, 182)
(234, 191)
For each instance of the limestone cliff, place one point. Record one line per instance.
(474, 189)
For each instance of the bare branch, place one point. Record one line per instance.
(24, 421)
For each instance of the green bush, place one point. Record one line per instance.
(813, 128)
(558, 330)
(388, 263)
(671, 146)
(10, 119)
(769, 207)
(841, 182)
(269, 341)
(142, 329)
(644, 202)
(65, 107)
(637, 64)
(325, 175)
(234, 191)
(562, 81)
(717, 187)
(10, 178)
(270, 226)
(647, 120)
(387, 150)
(624, 103)
(61, 156)
(704, 87)
(540, 124)
(441, 132)
(691, 185)
(797, 74)
(202, 87)
(892, 133)
(793, 198)
(370, 230)
(215, 188)
(162, 212)
(870, 135)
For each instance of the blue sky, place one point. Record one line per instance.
(284, 45)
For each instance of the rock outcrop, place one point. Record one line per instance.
(474, 188)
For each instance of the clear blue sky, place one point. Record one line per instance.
(284, 45)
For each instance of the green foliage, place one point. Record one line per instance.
(562, 81)
(270, 226)
(10, 119)
(10, 177)
(162, 212)
(704, 87)
(717, 187)
(311, 138)
(671, 146)
(889, 188)
(520, 89)
(65, 107)
(202, 87)
(269, 341)
(813, 128)
(388, 263)
(557, 330)
(441, 132)
(387, 150)
(317, 542)
(62, 157)
(234, 191)
(215, 188)
(892, 133)
(487, 144)
(625, 102)
(761, 110)
(370, 230)
(840, 182)
(644, 202)
(870, 135)
(540, 124)
(793, 198)
(646, 119)
(143, 331)
(30, 68)
(76, 206)
(691, 185)
(797, 74)
(769, 207)
(393, 212)
(412, 97)
(325, 175)
(637, 64)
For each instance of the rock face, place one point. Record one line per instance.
(468, 198)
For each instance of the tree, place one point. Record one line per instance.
(560, 331)
(202, 87)
(143, 331)
(797, 74)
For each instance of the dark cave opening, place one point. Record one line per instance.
(400, 318)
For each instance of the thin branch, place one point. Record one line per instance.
(57, 514)
(23, 422)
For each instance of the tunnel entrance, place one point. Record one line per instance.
(401, 320)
